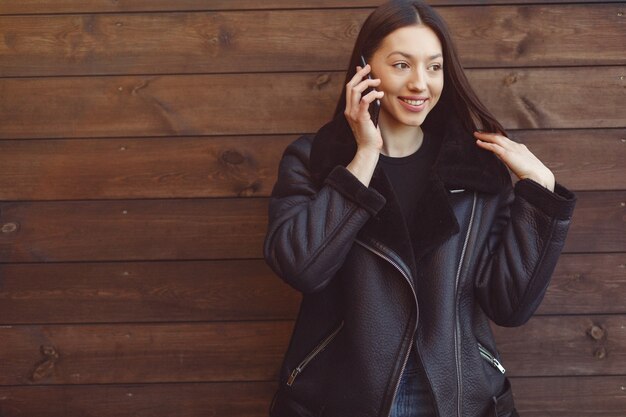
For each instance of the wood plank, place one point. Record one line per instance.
(140, 168)
(603, 396)
(188, 167)
(232, 399)
(261, 41)
(580, 159)
(587, 284)
(252, 351)
(131, 230)
(167, 105)
(143, 292)
(598, 222)
(534, 397)
(236, 290)
(564, 345)
(100, 6)
(221, 104)
(89, 354)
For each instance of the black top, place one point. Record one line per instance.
(408, 175)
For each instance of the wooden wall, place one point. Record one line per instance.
(139, 141)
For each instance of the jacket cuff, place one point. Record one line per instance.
(350, 187)
(558, 203)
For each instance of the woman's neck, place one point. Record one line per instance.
(400, 140)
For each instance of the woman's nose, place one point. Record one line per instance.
(417, 81)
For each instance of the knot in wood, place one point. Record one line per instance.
(600, 353)
(353, 29)
(251, 189)
(45, 367)
(49, 352)
(232, 157)
(322, 80)
(510, 79)
(596, 332)
(9, 227)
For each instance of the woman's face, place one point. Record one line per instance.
(409, 63)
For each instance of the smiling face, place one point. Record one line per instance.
(409, 63)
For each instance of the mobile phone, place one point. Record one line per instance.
(374, 108)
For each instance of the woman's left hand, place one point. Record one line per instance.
(517, 157)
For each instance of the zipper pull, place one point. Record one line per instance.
(498, 365)
(293, 376)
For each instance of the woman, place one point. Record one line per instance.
(407, 237)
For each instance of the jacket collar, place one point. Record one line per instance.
(460, 164)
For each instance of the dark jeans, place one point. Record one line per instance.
(413, 396)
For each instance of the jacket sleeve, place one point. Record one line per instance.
(522, 250)
(311, 230)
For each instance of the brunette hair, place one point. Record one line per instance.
(457, 95)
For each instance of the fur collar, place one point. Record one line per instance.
(460, 164)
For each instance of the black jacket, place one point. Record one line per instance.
(482, 249)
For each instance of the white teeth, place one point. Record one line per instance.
(413, 102)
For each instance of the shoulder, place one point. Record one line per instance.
(301, 147)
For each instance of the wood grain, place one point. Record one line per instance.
(183, 167)
(236, 290)
(241, 166)
(534, 397)
(232, 399)
(133, 230)
(126, 230)
(322, 40)
(580, 159)
(88, 6)
(564, 345)
(603, 396)
(143, 292)
(587, 284)
(88, 354)
(252, 351)
(223, 104)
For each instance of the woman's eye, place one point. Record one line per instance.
(436, 67)
(401, 65)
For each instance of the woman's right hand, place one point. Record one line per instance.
(368, 138)
(367, 135)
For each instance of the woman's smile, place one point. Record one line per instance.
(413, 104)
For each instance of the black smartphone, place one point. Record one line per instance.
(374, 108)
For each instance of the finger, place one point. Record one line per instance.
(349, 96)
(358, 89)
(493, 147)
(372, 95)
(486, 136)
(365, 84)
(359, 75)
(496, 138)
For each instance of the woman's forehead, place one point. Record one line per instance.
(415, 41)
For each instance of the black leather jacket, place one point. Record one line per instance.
(483, 249)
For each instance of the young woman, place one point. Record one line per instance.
(407, 237)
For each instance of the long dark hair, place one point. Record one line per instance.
(457, 98)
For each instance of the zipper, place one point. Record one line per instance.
(457, 330)
(407, 276)
(490, 358)
(312, 354)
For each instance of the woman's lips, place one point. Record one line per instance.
(413, 105)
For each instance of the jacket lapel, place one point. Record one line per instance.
(460, 163)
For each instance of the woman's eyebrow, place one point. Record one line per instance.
(409, 56)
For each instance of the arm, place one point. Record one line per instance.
(522, 250)
(526, 238)
(310, 231)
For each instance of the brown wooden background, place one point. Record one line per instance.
(139, 141)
